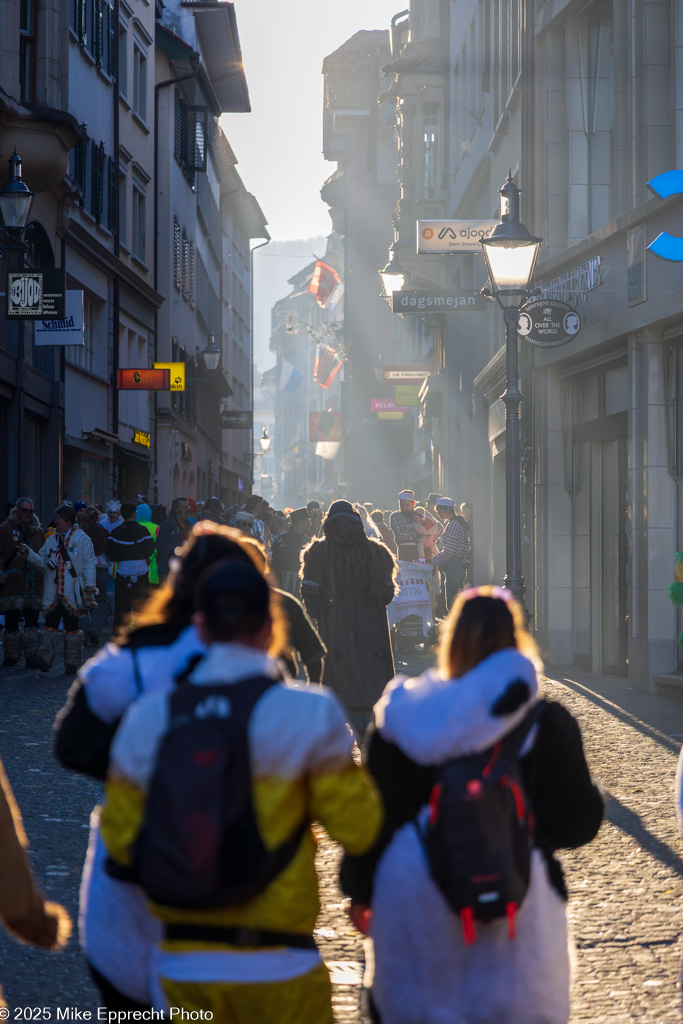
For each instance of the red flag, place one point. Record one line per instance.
(323, 282)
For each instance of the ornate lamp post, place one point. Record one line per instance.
(211, 354)
(393, 275)
(15, 202)
(510, 253)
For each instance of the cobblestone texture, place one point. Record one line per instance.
(625, 888)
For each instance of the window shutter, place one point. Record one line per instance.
(176, 255)
(80, 163)
(178, 127)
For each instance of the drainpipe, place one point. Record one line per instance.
(157, 89)
(116, 297)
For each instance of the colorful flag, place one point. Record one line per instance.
(324, 280)
(327, 365)
(290, 378)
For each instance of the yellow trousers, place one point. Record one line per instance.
(303, 1000)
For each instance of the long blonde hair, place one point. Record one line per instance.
(172, 603)
(483, 620)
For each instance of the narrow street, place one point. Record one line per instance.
(625, 888)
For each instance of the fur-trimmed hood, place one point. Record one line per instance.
(31, 527)
(433, 719)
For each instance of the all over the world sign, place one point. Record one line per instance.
(548, 324)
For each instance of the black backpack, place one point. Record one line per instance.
(199, 845)
(480, 832)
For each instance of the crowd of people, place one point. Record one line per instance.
(199, 888)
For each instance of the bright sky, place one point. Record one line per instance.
(279, 145)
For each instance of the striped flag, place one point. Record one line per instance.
(327, 365)
(290, 378)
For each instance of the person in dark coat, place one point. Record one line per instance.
(348, 580)
(131, 546)
(21, 585)
(286, 556)
(304, 648)
(213, 511)
(172, 534)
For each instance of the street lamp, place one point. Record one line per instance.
(15, 201)
(264, 440)
(510, 253)
(393, 275)
(211, 354)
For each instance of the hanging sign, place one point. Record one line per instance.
(391, 414)
(237, 419)
(325, 426)
(143, 380)
(36, 294)
(407, 394)
(68, 331)
(458, 300)
(387, 405)
(548, 324)
(452, 235)
(177, 371)
(142, 437)
(405, 374)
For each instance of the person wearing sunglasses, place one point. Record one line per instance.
(21, 585)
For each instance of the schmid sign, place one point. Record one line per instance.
(452, 235)
(143, 380)
(457, 301)
(405, 374)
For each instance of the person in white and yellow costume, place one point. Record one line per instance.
(253, 961)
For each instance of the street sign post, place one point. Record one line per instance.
(458, 300)
(548, 324)
(452, 235)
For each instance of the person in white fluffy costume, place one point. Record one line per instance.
(424, 972)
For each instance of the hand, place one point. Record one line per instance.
(361, 916)
(23, 550)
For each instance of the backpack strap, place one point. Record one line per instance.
(514, 741)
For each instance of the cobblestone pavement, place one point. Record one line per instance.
(624, 888)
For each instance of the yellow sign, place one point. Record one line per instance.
(177, 374)
(406, 394)
(392, 414)
(139, 436)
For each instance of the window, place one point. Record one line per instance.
(138, 239)
(597, 75)
(191, 133)
(79, 156)
(139, 82)
(97, 165)
(430, 151)
(27, 51)
(176, 255)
